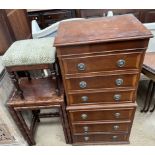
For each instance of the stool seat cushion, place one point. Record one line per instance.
(30, 52)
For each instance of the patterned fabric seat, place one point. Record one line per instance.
(30, 52)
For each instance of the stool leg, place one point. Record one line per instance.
(20, 126)
(148, 93)
(35, 121)
(22, 121)
(57, 79)
(28, 75)
(15, 81)
(153, 90)
(36, 114)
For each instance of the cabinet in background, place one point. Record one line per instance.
(14, 25)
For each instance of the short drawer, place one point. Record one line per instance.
(94, 138)
(100, 127)
(95, 82)
(104, 97)
(101, 115)
(102, 63)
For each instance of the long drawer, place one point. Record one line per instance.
(104, 97)
(100, 138)
(100, 47)
(102, 62)
(114, 126)
(102, 81)
(101, 115)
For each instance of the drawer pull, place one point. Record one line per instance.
(84, 98)
(116, 127)
(84, 116)
(85, 128)
(119, 82)
(114, 138)
(117, 115)
(83, 84)
(81, 66)
(121, 63)
(86, 138)
(117, 97)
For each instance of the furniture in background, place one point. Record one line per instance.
(101, 68)
(149, 71)
(29, 55)
(144, 15)
(14, 25)
(47, 17)
(39, 94)
(49, 31)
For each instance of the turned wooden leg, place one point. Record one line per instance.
(148, 94)
(15, 81)
(28, 75)
(153, 90)
(58, 80)
(19, 125)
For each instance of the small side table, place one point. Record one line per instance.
(149, 71)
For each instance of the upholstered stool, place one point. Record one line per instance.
(31, 54)
(39, 94)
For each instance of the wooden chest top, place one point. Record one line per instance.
(106, 29)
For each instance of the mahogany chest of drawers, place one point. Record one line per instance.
(100, 61)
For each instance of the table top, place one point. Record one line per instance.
(105, 29)
(149, 62)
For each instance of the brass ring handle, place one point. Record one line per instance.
(83, 84)
(85, 128)
(121, 63)
(86, 138)
(84, 98)
(117, 97)
(81, 66)
(117, 115)
(84, 116)
(114, 138)
(116, 127)
(119, 82)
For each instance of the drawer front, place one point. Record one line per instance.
(100, 47)
(113, 97)
(93, 138)
(102, 114)
(94, 82)
(98, 63)
(100, 127)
